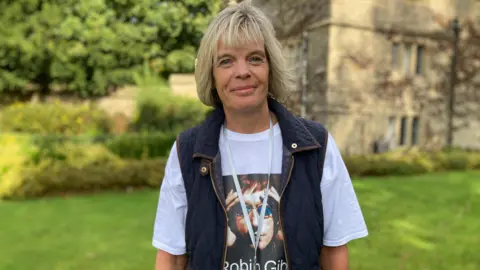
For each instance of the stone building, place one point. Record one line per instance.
(378, 73)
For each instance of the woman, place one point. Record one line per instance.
(253, 186)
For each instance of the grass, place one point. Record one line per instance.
(423, 222)
(108, 231)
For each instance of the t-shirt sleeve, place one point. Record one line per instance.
(343, 218)
(169, 227)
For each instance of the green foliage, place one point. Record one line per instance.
(88, 46)
(181, 61)
(16, 153)
(69, 167)
(52, 118)
(159, 110)
(45, 178)
(141, 145)
(32, 166)
(168, 115)
(412, 161)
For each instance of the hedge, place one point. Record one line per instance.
(27, 170)
(155, 111)
(53, 118)
(141, 145)
(158, 109)
(411, 161)
(47, 178)
(127, 145)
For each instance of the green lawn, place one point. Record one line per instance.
(419, 223)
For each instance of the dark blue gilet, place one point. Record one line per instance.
(301, 213)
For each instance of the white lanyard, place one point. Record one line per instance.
(240, 194)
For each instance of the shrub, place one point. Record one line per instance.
(457, 160)
(127, 145)
(58, 147)
(81, 155)
(381, 165)
(411, 161)
(174, 116)
(17, 151)
(74, 167)
(157, 109)
(52, 118)
(141, 145)
(36, 166)
(53, 178)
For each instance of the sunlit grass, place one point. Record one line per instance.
(424, 222)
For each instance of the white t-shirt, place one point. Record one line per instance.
(343, 219)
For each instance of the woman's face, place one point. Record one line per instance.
(241, 76)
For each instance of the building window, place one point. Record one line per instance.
(407, 58)
(415, 128)
(391, 127)
(419, 64)
(403, 131)
(395, 56)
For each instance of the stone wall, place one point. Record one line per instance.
(368, 98)
(317, 74)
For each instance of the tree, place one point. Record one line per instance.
(90, 46)
(291, 17)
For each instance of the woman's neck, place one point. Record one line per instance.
(251, 122)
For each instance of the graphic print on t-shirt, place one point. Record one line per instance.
(240, 251)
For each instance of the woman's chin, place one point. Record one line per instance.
(247, 104)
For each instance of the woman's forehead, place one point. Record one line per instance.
(245, 47)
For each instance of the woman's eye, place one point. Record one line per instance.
(256, 59)
(225, 61)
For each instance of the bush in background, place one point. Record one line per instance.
(411, 161)
(55, 178)
(157, 109)
(16, 153)
(52, 118)
(142, 145)
(30, 169)
(26, 171)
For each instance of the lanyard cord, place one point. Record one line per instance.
(255, 241)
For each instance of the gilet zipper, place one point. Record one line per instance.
(280, 208)
(226, 216)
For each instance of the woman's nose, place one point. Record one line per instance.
(242, 70)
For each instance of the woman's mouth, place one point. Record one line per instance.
(244, 90)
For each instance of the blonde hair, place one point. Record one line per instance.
(236, 25)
